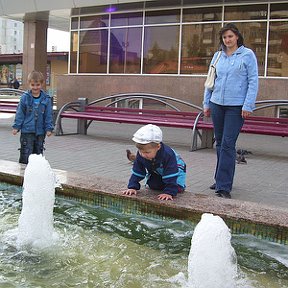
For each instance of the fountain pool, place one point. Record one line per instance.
(99, 247)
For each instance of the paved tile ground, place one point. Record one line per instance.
(102, 153)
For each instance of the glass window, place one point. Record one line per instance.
(278, 49)
(163, 16)
(202, 14)
(125, 50)
(93, 49)
(94, 21)
(74, 23)
(126, 19)
(162, 3)
(279, 11)
(254, 34)
(73, 52)
(199, 43)
(245, 12)
(161, 50)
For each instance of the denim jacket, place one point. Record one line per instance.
(30, 119)
(236, 83)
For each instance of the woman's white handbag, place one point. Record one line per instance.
(209, 83)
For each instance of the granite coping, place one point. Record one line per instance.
(185, 206)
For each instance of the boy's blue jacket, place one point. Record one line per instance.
(31, 120)
(236, 83)
(167, 163)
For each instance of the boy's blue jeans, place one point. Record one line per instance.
(30, 144)
(227, 121)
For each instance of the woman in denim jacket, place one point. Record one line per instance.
(230, 102)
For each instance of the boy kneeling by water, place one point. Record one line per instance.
(162, 167)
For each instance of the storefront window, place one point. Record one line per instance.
(202, 14)
(94, 21)
(125, 50)
(161, 50)
(246, 12)
(163, 16)
(279, 11)
(73, 52)
(254, 34)
(155, 40)
(278, 49)
(74, 23)
(199, 43)
(93, 48)
(127, 19)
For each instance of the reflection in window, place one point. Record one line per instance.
(279, 11)
(199, 43)
(247, 12)
(254, 34)
(163, 16)
(278, 49)
(202, 14)
(73, 52)
(74, 23)
(161, 50)
(125, 50)
(93, 51)
(94, 21)
(127, 19)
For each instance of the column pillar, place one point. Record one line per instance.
(34, 48)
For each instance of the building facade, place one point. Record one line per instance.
(165, 47)
(11, 36)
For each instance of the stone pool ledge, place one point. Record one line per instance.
(242, 217)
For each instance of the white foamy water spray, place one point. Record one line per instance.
(35, 224)
(212, 261)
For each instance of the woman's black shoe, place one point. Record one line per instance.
(213, 186)
(223, 194)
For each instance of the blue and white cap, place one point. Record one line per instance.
(147, 134)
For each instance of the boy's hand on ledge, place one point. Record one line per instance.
(48, 133)
(165, 197)
(129, 192)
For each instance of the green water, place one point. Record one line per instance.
(101, 248)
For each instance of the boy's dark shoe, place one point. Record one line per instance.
(223, 194)
(213, 186)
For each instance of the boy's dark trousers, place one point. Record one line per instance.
(155, 182)
(30, 144)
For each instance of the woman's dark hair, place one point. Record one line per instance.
(234, 29)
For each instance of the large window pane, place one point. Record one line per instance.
(254, 34)
(93, 51)
(73, 52)
(125, 50)
(94, 21)
(163, 16)
(74, 22)
(161, 50)
(279, 11)
(202, 14)
(278, 49)
(199, 42)
(246, 12)
(126, 19)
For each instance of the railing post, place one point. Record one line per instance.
(81, 123)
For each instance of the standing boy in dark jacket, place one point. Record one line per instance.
(162, 167)
(33, 118)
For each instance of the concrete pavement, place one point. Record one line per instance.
(264, 179)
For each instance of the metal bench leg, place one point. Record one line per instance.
(207, 139)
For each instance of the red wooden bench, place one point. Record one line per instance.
(201, 127)
(8, 106)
